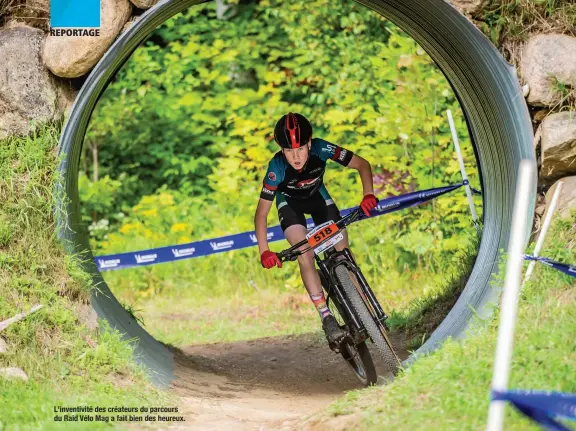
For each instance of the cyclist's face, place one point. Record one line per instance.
(297, 157)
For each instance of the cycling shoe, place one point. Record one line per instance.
(334, 334)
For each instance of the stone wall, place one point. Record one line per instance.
(545, 57)
(40, 74)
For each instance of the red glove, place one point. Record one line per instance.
(368, 202)
(270, 259)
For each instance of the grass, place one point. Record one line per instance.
(450, 388)
(200, 320)
(423, 315)
(567, 92)
(229, 297)
(66, 362)
(517, 20)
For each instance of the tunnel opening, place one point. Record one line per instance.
(492, 104)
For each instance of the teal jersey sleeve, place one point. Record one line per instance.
(326, 150)
(274, 176)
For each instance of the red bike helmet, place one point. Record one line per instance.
(292, 131)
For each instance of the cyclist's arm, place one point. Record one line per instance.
(270, 184)
(260, 224)
(365, 170)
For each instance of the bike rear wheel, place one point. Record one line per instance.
(375, 330)
(359, 359)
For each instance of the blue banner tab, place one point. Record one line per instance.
(566, 269)
(75, 13)
(247, 239)
(542, 406)
(184, 251)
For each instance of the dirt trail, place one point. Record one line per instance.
(264, 384)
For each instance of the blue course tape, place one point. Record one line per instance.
(541, 406)
(566, 269)
(238, 241)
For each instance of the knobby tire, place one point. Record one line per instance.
(362, 352)
(361, 349)
(379, 339)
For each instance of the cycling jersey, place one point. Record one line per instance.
(301, 185)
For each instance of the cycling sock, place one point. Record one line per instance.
(320, 303)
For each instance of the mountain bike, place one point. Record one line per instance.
(349, 298)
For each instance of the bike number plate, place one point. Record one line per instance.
(324, 236)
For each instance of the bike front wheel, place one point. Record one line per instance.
(357, 356)
(375, 330)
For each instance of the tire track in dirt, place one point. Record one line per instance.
(263, 384)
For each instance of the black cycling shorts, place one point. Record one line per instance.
(291, 211)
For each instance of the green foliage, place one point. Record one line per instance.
(132, 311)
(189, 119)
(567, 93)
(6, 231)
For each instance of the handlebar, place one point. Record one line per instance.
(292, 253)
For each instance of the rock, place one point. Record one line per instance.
(525, 90)
(28, 92)
(547, 60)
(73, 56)
(13, 373)
(3, 345)
(540, 209)
(558, 146)
(144, 4)
(34, 13)
(67, 95)
(567, 198)
(469, 7)
(538, 213)
(540, 115)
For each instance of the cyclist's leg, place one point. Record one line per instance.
(294, 234)
(329, 211)
(293, 223)
(322, 209)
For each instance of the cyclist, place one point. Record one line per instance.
(295, 178)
